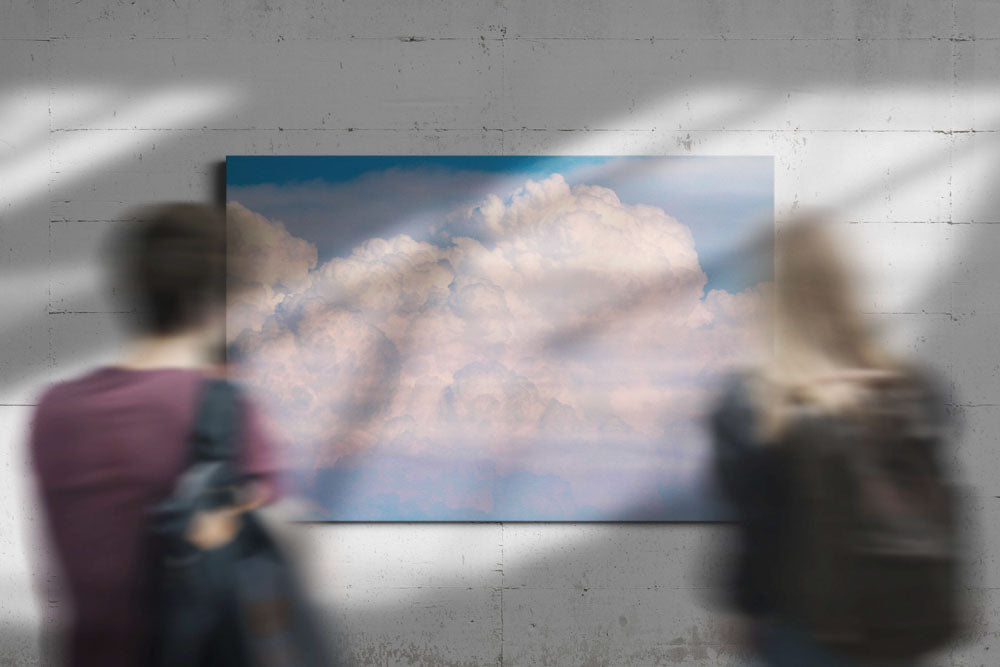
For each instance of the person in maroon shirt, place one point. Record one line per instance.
(108, 446)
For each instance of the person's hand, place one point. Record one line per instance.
(211, 529)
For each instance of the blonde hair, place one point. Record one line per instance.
(823, 350)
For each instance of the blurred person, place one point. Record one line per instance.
(830, 455)
(107, 446)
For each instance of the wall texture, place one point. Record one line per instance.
(888, 112)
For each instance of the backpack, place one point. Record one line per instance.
(237, 605)
(873, 554)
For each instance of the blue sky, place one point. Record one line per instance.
(337, 202)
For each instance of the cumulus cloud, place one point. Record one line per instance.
(558, 331)
(265, 263)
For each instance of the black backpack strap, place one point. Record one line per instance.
(187, 597)
(215, 431)
(214, 441)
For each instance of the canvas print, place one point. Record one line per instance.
(495, 338)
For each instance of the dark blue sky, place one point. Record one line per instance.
(337, 202)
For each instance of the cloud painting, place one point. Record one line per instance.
(495, 339)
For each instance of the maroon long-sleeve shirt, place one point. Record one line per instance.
(106, 447)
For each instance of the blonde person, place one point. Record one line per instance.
(829, 453)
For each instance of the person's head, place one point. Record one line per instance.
(818, 328)
(171, 264)
(816, 316)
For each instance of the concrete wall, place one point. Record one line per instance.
(888, 111)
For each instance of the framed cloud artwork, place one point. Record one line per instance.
(496, 338)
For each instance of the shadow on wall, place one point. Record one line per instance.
(962, 341)
(959, 341)
(942, 338)
(43, 161)
(579, 622)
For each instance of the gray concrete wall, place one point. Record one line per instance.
(887, 111)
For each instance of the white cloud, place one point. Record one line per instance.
(265, 264)
(573, 321)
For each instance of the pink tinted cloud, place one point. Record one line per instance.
(573, 336)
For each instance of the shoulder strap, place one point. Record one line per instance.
(216, 424)
(211, 476)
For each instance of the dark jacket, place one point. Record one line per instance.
(755, 478)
